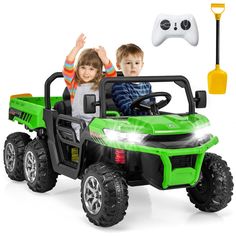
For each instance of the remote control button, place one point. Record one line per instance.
(165, 24)
(175, 28)
(185, 25)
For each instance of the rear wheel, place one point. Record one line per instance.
(104, 195)
(214, 190)
(13, 155)
(38, 169)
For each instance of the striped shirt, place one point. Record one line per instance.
(69, 76)
(123, 94)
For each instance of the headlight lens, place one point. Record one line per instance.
(203, 133)
(114, 135)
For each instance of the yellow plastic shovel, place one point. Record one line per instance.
(217, 78)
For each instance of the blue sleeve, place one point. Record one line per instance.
(120, 96)
(123, 100)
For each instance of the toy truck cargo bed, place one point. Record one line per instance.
(29, 110)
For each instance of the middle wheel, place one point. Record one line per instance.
(104, 195)
(38, 170)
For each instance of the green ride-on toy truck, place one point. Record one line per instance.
(164, 149)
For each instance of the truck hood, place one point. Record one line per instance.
(169, 124)
(153, 125)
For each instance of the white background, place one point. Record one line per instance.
(35, 38)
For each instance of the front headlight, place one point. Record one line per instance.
(203, 133)
(114, 135)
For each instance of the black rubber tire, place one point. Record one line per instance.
(19, 141)
(114, 195)
(45, 178)
(215, 188)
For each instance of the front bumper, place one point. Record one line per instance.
(171, 176)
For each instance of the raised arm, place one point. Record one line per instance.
(68, 70)
(110, 69)
(79, 44)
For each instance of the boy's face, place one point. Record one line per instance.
(131, 65)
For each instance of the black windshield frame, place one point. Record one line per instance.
(178, 79)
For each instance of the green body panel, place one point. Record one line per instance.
(112, 113)
(31, 110)
(159, 125)
(153, 125)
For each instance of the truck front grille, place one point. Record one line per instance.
(174, 141)
(183, 161)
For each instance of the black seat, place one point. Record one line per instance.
(110, 105)
(64, 106)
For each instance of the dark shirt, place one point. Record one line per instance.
(123, 94)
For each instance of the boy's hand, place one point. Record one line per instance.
(80, 41)
(102, 54)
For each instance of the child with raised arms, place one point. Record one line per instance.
(84, 77)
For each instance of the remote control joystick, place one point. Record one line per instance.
(172, 26)
(165, 24)
(185, 25)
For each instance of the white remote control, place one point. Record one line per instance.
(173, 26)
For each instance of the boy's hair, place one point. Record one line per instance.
(128, 49)
(89, 57)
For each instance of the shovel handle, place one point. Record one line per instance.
(217, 42)
(218, 9)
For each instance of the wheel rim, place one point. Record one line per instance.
(92, 195)
(10, 157)
(30, 166)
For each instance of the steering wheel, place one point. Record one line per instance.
(151, 106)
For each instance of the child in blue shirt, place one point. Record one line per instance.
(129, 59)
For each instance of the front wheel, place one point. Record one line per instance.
(214, 190)
(104, 195)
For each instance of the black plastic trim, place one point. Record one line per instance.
(179, 79)
(68, 130)
(47, 88)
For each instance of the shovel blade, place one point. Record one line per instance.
(217, 81)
